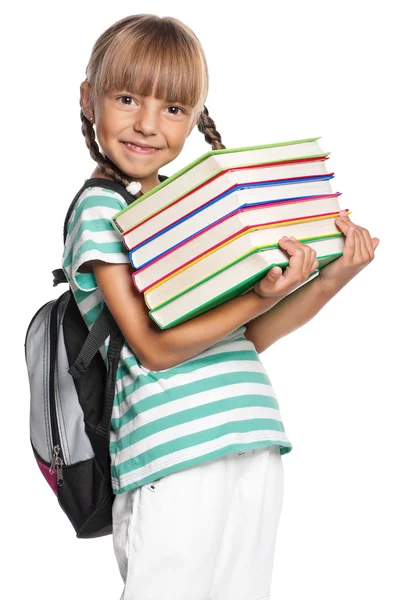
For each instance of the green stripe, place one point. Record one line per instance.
(86, 281)
(80, 295)
(142, 380)
(153, 376)
(96, 225)
(124, 371)
(206, 408)
(191, 414)
(90, 316)
(94, 201)
(284, 448)
(204, 384)
(188, 441)
(103, 248)
(193, 364)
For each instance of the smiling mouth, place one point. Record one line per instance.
(140, 149)
(141, 145)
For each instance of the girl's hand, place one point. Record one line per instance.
(280, 283)
(358, 253)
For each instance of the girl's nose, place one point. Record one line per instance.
(146, 121)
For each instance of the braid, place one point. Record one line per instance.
(207, 126)
(105, 165)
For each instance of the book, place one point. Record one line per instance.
(235, 280)
(233, 251)
(221, 185)
(262, 216)
(164, 240)
(211, 231)
(206, 166)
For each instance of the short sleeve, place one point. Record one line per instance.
(91, 235)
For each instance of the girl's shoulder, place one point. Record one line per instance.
(92, 209)
(98, 200)
(98, 188)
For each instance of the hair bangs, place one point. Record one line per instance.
(168, 67)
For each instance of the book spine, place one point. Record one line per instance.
(116, 225)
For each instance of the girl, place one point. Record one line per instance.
(196, 434)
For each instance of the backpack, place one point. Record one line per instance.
(71, 399)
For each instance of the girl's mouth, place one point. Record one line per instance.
(139, 149)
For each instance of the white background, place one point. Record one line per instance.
(279, 71)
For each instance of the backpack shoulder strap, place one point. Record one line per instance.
(104, 326)
(94, 340)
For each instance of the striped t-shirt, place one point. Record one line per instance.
(217, 402)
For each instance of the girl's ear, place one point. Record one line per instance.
(85, 100)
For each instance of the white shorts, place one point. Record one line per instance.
(207, 532)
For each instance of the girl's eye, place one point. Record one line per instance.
(176, 107)
(122, 98)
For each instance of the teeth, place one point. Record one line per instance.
(135, 146)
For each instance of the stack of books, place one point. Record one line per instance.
(209, 232)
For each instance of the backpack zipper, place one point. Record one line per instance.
(51, 466)
(57, 460)
(57, 463)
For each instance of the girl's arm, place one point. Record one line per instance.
(158, 349)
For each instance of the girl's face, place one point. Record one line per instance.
(123, 119)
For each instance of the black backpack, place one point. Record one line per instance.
(71, 399)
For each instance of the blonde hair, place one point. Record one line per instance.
(148, 54)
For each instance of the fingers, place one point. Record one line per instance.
(303, 259)
(358, 249)
(302, 263)
(349, 246)
(360, 246)
(310, 260)
(365, 254)
(343, 221)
